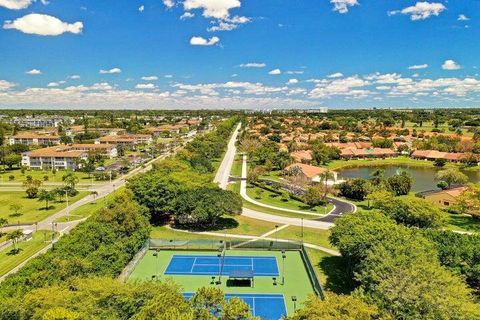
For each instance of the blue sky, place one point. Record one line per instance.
(239, 53)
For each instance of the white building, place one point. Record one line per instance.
(30, 139)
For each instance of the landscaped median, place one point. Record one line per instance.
(9, 259)
(30, 210)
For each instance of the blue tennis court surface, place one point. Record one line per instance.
(211, 265)
(265, 306)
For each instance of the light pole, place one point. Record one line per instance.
(276, 234)
(155, 254)
(302, 230)
(294, 299)
(283, 267)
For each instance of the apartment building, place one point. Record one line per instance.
(64, 157)
(33, 139)
(126, 140)
(40, 122)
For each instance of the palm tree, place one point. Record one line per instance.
(14, 236)
(324, 177)
(70, 180)
(46, 196)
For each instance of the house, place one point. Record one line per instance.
(302, 156)
(310, 173)
(30, 139)
(354, 153)
(130, 140)
(73, 130)
(64, 157)
(444, 198)
(434, 155)
(167, 128)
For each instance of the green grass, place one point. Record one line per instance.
(8, 261)
(237, 166)
(273, 199)
(428, 126)
(229, 225)
(403, 160)
(39, 174)
(464, 223)
(310, 235)
(332, 271)
(272, 175)
(297, 282)
(32, 209)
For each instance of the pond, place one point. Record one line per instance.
(424, 177)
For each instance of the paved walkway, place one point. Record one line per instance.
(243, 193)
(223, 172)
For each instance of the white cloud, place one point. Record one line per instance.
(187, 15)
(168, 76)
(53, 84)
(418, 66)
(6, 85)
(218, 9)
(74, 77)
(141, 8)
(450, 65)
(228, 24)
(145, 86)
(169, 3)
(342, 5)
(292, 81)
(15, 4)
(253, 65)
(44, 25)
(275, 72)
(335, 75)
(149, 78)
(34, 72)
(295, 72)
(111, 71)
(421, 10)
(350, 87)
(199, 41)
(462, 17)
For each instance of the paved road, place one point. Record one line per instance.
(320, 223)
(341, 207)
(223, 172)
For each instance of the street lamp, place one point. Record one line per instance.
(283, 267)
(276, 234)
(219, 255)
(302, 229)
(294, 299)
(155, 254)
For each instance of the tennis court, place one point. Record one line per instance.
(265, 306)
(212, 265)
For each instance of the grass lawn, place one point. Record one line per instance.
(332, 272)
(273, 175)
(8, 261)
(310, 235)
(428, 126)
(463, 223)
(273, 199)
(402, 160)
(39, 174)
(32, 209)
(297, 282)
(229, 225)
(237, 166)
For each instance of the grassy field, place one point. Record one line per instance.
(85, 210)
(32, 209)
(460, 222)
(273, 199)
(40, 174)
(237, 166)
(296, 278)
(332, 272)
(8, 261)
(310, 235)
(428, 126)
(230, 225)
(405, 161)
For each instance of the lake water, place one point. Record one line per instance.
(424, 178)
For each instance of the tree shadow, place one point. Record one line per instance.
(47, 209)
(339, 278)
(15, 214)
(222, 224)
(14, 252)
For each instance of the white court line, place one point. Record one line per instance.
(193, 265)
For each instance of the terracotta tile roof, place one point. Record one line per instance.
(301, 156)
(308, 170)
(56, 152)
(32, 135)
